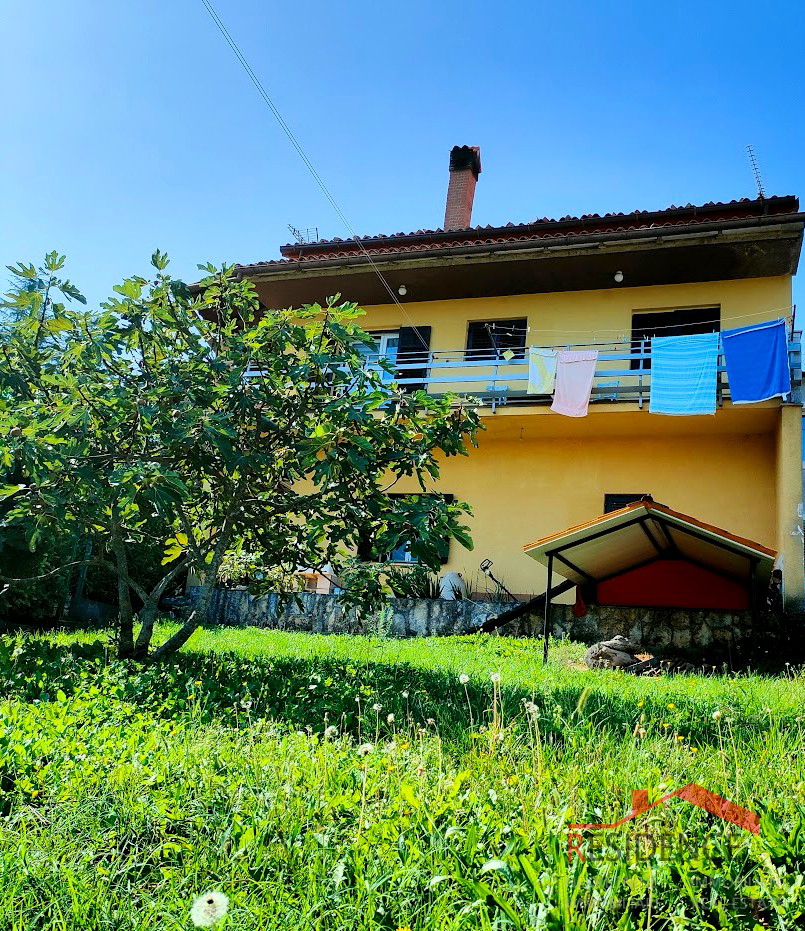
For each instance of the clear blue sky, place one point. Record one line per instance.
(128, 126)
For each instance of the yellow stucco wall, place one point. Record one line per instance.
(584, 316)
(523, 489)
(536, 473)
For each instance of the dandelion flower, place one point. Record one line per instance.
(672, 705)
(694, 749)
(430, 722)
(716, 715)
(463, 678)
(495, 677)
(390, 718)
(330, 732)
(405, 693)
(641, 731)
(209, 909)
(377, 707)
(365, 749)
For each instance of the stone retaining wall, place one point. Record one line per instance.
(322, 614)
(658, 629)
(669, 629)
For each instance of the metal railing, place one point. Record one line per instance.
(623, 373)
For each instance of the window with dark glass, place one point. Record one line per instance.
(683, 322)
(367, 552)
(488, 339)
(616, 502)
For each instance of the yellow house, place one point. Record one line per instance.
(458, 309)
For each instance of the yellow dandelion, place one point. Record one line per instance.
(694, 749)
(665, 725)
(672, 705)
(640, 704)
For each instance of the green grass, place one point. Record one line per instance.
(127, 791)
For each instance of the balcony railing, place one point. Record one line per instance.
(623, 373)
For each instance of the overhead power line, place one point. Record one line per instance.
(303, 155)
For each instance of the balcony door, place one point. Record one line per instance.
(386, 346)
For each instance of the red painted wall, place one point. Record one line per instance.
(673, 583)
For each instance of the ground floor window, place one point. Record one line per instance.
(402, 552)
(616, 502)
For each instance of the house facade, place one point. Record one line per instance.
(468, 302)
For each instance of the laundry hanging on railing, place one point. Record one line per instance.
(574, 382)
(757, 362)
(683, 374)
(541, 370)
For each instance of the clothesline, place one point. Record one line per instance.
(684, 370)
(786, 311)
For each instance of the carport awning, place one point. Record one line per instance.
(644, 532)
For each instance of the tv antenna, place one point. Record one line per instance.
(761, 192)
(304, 236)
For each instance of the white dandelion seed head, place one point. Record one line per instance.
(716, 715)
(377, 707)
(495, 677)
(430, 722)
(390, 718)
(365, 749)
(463, 678)
(331, 731)
(209, 909)
(405, 694)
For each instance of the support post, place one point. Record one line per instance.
(547, 610)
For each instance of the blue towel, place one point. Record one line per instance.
(683, 374)
(757, 362)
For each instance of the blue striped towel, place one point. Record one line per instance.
(683, 374)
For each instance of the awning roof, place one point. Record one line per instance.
(644, 532)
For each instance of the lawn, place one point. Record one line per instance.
(357, 783)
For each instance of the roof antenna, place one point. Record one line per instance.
(761, 192)
(303, 237)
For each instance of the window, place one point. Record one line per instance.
(488, 339)
(671, 323)
(402, 553)
(616, 502)
(385, 347)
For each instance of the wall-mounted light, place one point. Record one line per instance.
(402, 290)
(618, 277)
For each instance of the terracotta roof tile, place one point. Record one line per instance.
(424, 240)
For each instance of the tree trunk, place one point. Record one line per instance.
(150, 609)
(125, 640)
(199, 614)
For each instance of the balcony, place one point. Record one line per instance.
(623, 374)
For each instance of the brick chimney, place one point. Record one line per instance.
(465, 166)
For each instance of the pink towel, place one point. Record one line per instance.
(574, 381)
